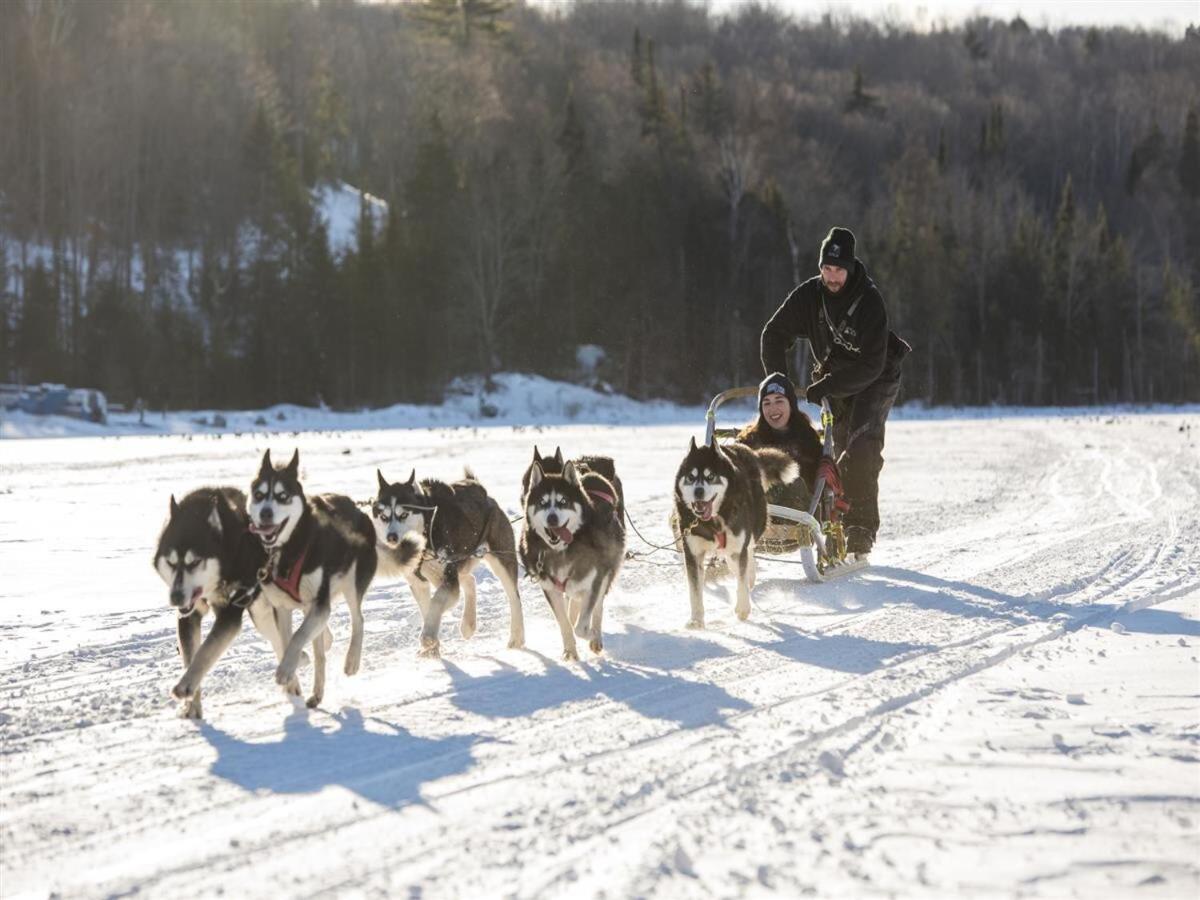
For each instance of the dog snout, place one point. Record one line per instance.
(552, 520)
(699, 493)
(393, 538)
(266, 515)
(177, 597)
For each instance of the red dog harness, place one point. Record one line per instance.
(291, 584)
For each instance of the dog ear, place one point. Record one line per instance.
(537, 457)
(266, 462)
(383, 485)
(558, 457)
(571, 474)
(174, 506)
(692, 448)
(412, 478)
(294, 466)
(214, 515)
(535, 475)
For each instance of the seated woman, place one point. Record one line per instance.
(781, 424)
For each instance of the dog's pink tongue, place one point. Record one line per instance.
(563, 533)
(704, 509)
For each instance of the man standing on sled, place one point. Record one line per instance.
(856, 366)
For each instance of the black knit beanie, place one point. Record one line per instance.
(838, 248)
(777, 383)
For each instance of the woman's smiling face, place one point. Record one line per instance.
(777, 411)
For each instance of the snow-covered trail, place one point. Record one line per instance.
(961, 718)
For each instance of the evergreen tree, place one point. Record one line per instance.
(1189, 156)
(861, 100)
(38, 348)
(654, 104)
(1145, 154)
(635, 61)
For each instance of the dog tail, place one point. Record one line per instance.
(776, 467)
(469, 474)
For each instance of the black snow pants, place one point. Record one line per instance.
(859, 423)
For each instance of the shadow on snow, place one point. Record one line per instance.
(650, 688)
(386, 765)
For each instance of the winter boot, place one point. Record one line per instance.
(858, 542)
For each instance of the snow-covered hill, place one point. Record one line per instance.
(1007, 704)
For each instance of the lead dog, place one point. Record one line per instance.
(435, 534)
(573, 543)
(205, 553)
(316, 548)
(721, 507)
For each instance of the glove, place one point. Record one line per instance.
(817, 391)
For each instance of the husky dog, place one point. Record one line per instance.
(573, 543)
(435, 534)
(721, 507)
(316, 548)
(205, 553)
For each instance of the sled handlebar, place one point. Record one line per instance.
(710, 417)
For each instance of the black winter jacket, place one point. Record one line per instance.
(851, 342)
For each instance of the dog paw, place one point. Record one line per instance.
(190, 709)
(596, 645)
(742, 613)
(571, 655)
(352, 665)
(696, 624)
(183, 690)
(467, 629)
(292, 688)
(517, 642)
(314, 701)
(285, 674)
(431, 648)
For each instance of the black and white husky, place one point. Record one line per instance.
(316, 548)
(435, 534)
(721, 507)
(206, 553)
(573, 542)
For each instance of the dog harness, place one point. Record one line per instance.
(291, 584)
(719, 535)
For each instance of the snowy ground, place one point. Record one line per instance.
(1008, 703)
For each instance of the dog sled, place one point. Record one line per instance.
(816, 534)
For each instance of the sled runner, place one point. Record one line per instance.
(817, 533)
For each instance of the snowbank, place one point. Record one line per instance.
(518, 400)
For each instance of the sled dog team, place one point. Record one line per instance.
(275, 551)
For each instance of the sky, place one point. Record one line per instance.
(1172, 16)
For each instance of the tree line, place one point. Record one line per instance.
(647, 177)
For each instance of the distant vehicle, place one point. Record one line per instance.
(56, 400)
